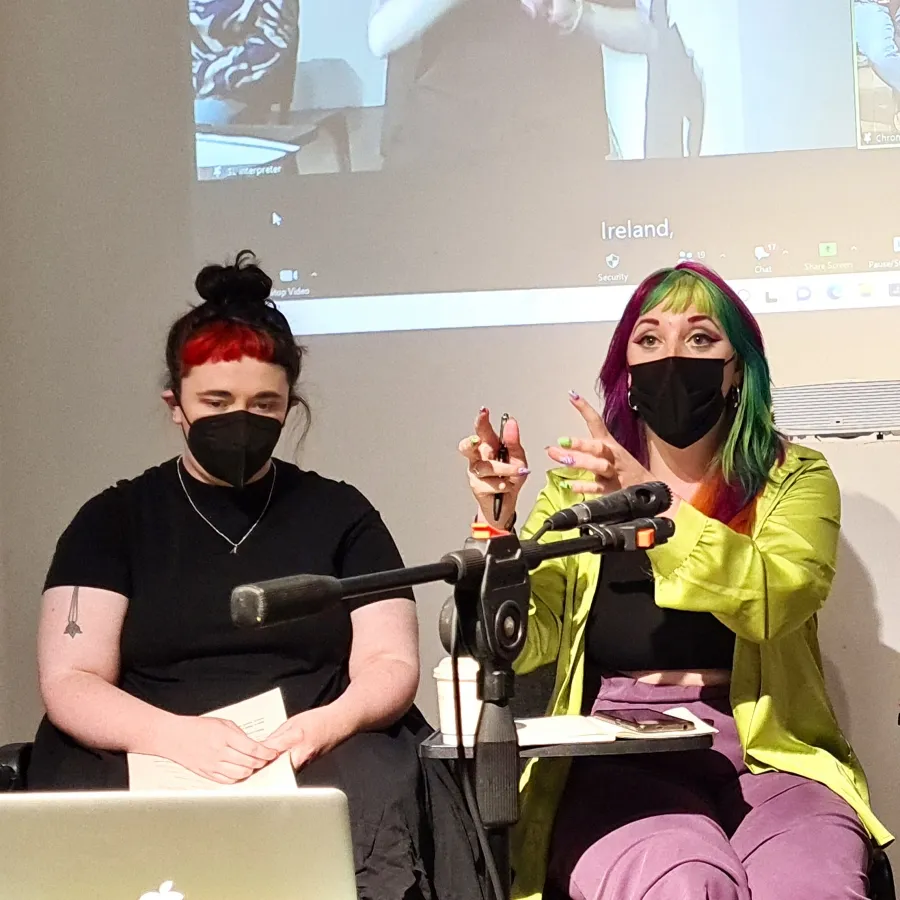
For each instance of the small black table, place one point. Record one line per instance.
(434, 747)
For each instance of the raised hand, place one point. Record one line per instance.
(611, 465)
(564, 14)
(487, 476)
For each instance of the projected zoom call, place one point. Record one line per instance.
(313, 86)
(439, 100)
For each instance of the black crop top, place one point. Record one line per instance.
(627, 631)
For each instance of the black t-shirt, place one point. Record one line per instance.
(179, 649)
(628, 632)
(489, 84)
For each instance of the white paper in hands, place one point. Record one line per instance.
(257, 717)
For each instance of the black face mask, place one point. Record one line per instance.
(679, 397)
(233, 446)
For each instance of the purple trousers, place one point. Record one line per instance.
(697, 824)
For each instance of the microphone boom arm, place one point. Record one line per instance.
(296, 596)
(492, 590)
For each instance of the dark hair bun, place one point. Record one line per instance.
(242, 284)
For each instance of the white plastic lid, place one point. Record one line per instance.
(468, 669)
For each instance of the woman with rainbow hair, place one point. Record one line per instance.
(720, 620)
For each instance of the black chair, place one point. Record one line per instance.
(14, 760)
(881, 877)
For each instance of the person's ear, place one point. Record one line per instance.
(171, 401)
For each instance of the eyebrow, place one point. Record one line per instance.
(694, 319)
(227, 395)
(646, 320)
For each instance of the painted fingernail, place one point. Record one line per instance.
(567, 460)
(524, 471)
(474, 440)
(575, 395)
(482, 409)
(564, 485)
(565, 442)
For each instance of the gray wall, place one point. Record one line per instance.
(95, 172)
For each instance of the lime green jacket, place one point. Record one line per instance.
(766, 587)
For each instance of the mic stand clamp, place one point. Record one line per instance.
(491, 598)
(631, 535)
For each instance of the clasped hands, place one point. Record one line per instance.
(306, 736)
(219, 750)
(564, 14)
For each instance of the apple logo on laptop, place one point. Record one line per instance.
(166, 892)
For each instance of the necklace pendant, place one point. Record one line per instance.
(234, 546)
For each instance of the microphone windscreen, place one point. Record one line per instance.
(283, 599)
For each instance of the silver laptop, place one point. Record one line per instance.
(214, 845)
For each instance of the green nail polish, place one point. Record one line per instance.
(474, 440)
(565, 485)
(565, 442)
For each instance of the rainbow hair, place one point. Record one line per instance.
(752, 445)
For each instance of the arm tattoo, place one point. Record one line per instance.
(72, 626)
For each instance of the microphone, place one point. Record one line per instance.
(283, 599)
(640, 502)
(298, 596)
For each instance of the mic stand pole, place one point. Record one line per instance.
(491, 593)
(492, 611)
(491, 596)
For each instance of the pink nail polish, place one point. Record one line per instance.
(524, 471)
(567, 460)
(575, 395)
(483, 409)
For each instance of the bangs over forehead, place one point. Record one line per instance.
(681, 291)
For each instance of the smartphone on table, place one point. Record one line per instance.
(644, 721)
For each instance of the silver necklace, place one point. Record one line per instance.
(234, 546)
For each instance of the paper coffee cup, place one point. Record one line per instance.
(470, 705)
